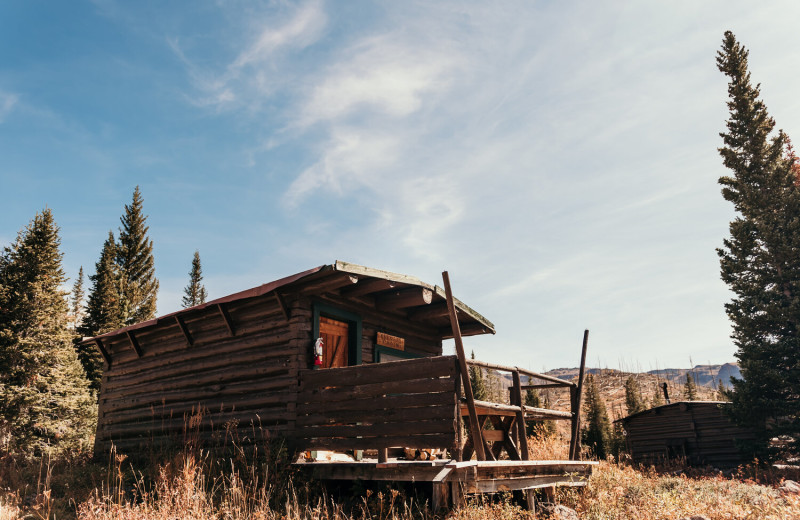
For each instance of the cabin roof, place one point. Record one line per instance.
(391, 289)
(653, 411)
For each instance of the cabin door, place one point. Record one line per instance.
(334, 334)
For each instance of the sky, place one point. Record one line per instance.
(559, 159)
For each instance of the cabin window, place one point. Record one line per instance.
(340, 331)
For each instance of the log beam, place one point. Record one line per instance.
(226, 317)
(433, 311)
(329, 284)
(184, 330)
(368, 287)
(282, 305)
(134, 343)
(103, 350)
(404, 298)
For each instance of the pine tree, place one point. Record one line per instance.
(690, 388)
(194, 293)
(759, 259)
(103, 310)
(76, 304)
(597, 430)
(722, 392)
(138, 283)
(634, 402)
(479, 390)
(45, 403)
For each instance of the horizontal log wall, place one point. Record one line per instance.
(240, 385)
(409, 403)
(700, 431)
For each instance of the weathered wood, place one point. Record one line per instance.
(575, 440)
(438, 440)
(316, 398)
(226, 317)
(331, 283)
(103, 351)
(235, 371)
(440, 498)
(503, 368)
(394, 415)
(134, 343)
(182, 326)
(282, 304)
(468, 329)
(429, 367)
(182, 423)
(488, 408)
(429, 312)
(368, 286)
(383, 454)
(379, 428)
(382, 401)
(401, 299)
(199, 393)
(522, 435)
(475, 431)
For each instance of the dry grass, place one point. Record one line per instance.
(197, 485)
(621, 492)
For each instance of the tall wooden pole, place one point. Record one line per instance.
(575, 441)
(474, 426)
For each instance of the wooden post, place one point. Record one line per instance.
(440, 498)
(474, 426)
(383, 455)
(521, 430)
(575, 441)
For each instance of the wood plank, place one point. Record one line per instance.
(384, 402)
(315, 398)
(444, 441)
(429, 312)
(528, 373)
(330, 283)
(394, 415)
(440, 366)
(379, 428)
(282, 304)
(186, 423)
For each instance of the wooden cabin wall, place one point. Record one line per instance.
(421, 340)
(705, 433)
(175, 391)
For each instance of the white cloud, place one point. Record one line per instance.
(7, 103)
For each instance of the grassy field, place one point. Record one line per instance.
(260, 486)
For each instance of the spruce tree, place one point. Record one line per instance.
(103, 310)
(634, 403)
(195, 293)
(597, 430)
(690, 388)
(477, 382)
(138, 283)
(76, 304)
(45, 402)
(759, 259)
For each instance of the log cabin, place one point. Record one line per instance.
(338, 357)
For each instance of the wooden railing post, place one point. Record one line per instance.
(474, 425)
(575, 399)
(521, 430)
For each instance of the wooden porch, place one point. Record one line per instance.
(427, 403)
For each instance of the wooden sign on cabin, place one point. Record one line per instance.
(391, 341)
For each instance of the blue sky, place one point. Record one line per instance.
(558, 158)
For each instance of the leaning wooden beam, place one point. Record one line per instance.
(521, 433)
(226, 318)
(522, 371)
(134, 343)
(103, 350)
(474, 426)
(184, 330)
(575, 441)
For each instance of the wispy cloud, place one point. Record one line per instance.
(8, 101)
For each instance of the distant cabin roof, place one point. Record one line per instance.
(392, 291)
(657, 409)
